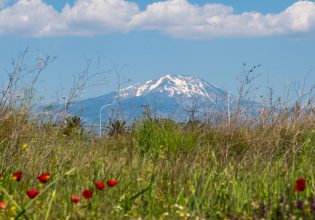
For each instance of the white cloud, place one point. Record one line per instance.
(178, 18)
(94, 17)
(301, 16)
(174, 13)
(26, 17)
(182, 19)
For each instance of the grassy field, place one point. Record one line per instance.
(165, 170)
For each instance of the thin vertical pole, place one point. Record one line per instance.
(229, 111)
(100, 123)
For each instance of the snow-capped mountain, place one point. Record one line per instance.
(171, 96)
(174, 85)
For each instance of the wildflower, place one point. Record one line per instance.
(312, 206)
(13, 209)
(99, 185)
(75, 199)
(255, 205)
(44, 177)
(118, 208)
(111, 183)
(17, 176)
(179, 207)
(24, 146)
(32, 193)
(1, 176)
(2, 205)
(40, 185)
(281, 199)
(300, 185)
(87, 193)
(38, 203)
(299, 204)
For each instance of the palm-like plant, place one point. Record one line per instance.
(116, 128)
(74, 125)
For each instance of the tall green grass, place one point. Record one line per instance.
(165, 170)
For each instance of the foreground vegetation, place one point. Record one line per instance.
(165, 170)
(229, 166)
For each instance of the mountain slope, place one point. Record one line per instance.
(169, 96)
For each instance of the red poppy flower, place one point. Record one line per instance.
(17, 176)
(44, 177)
(87, 193)
(2, 205)
(75, 199)
(111, 183)
(300, 185)
(32, 193)
(99, 185)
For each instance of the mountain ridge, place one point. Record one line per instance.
(168, 96)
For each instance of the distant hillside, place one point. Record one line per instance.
(169, 96)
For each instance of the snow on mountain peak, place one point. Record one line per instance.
(171, 85)
(169, 96)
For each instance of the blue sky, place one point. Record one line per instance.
(210, 39)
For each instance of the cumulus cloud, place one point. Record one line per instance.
(94, 17)
(182, 19)
(26, 17)
(178, 18)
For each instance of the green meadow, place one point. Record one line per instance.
(230, 165)
(245, 169)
